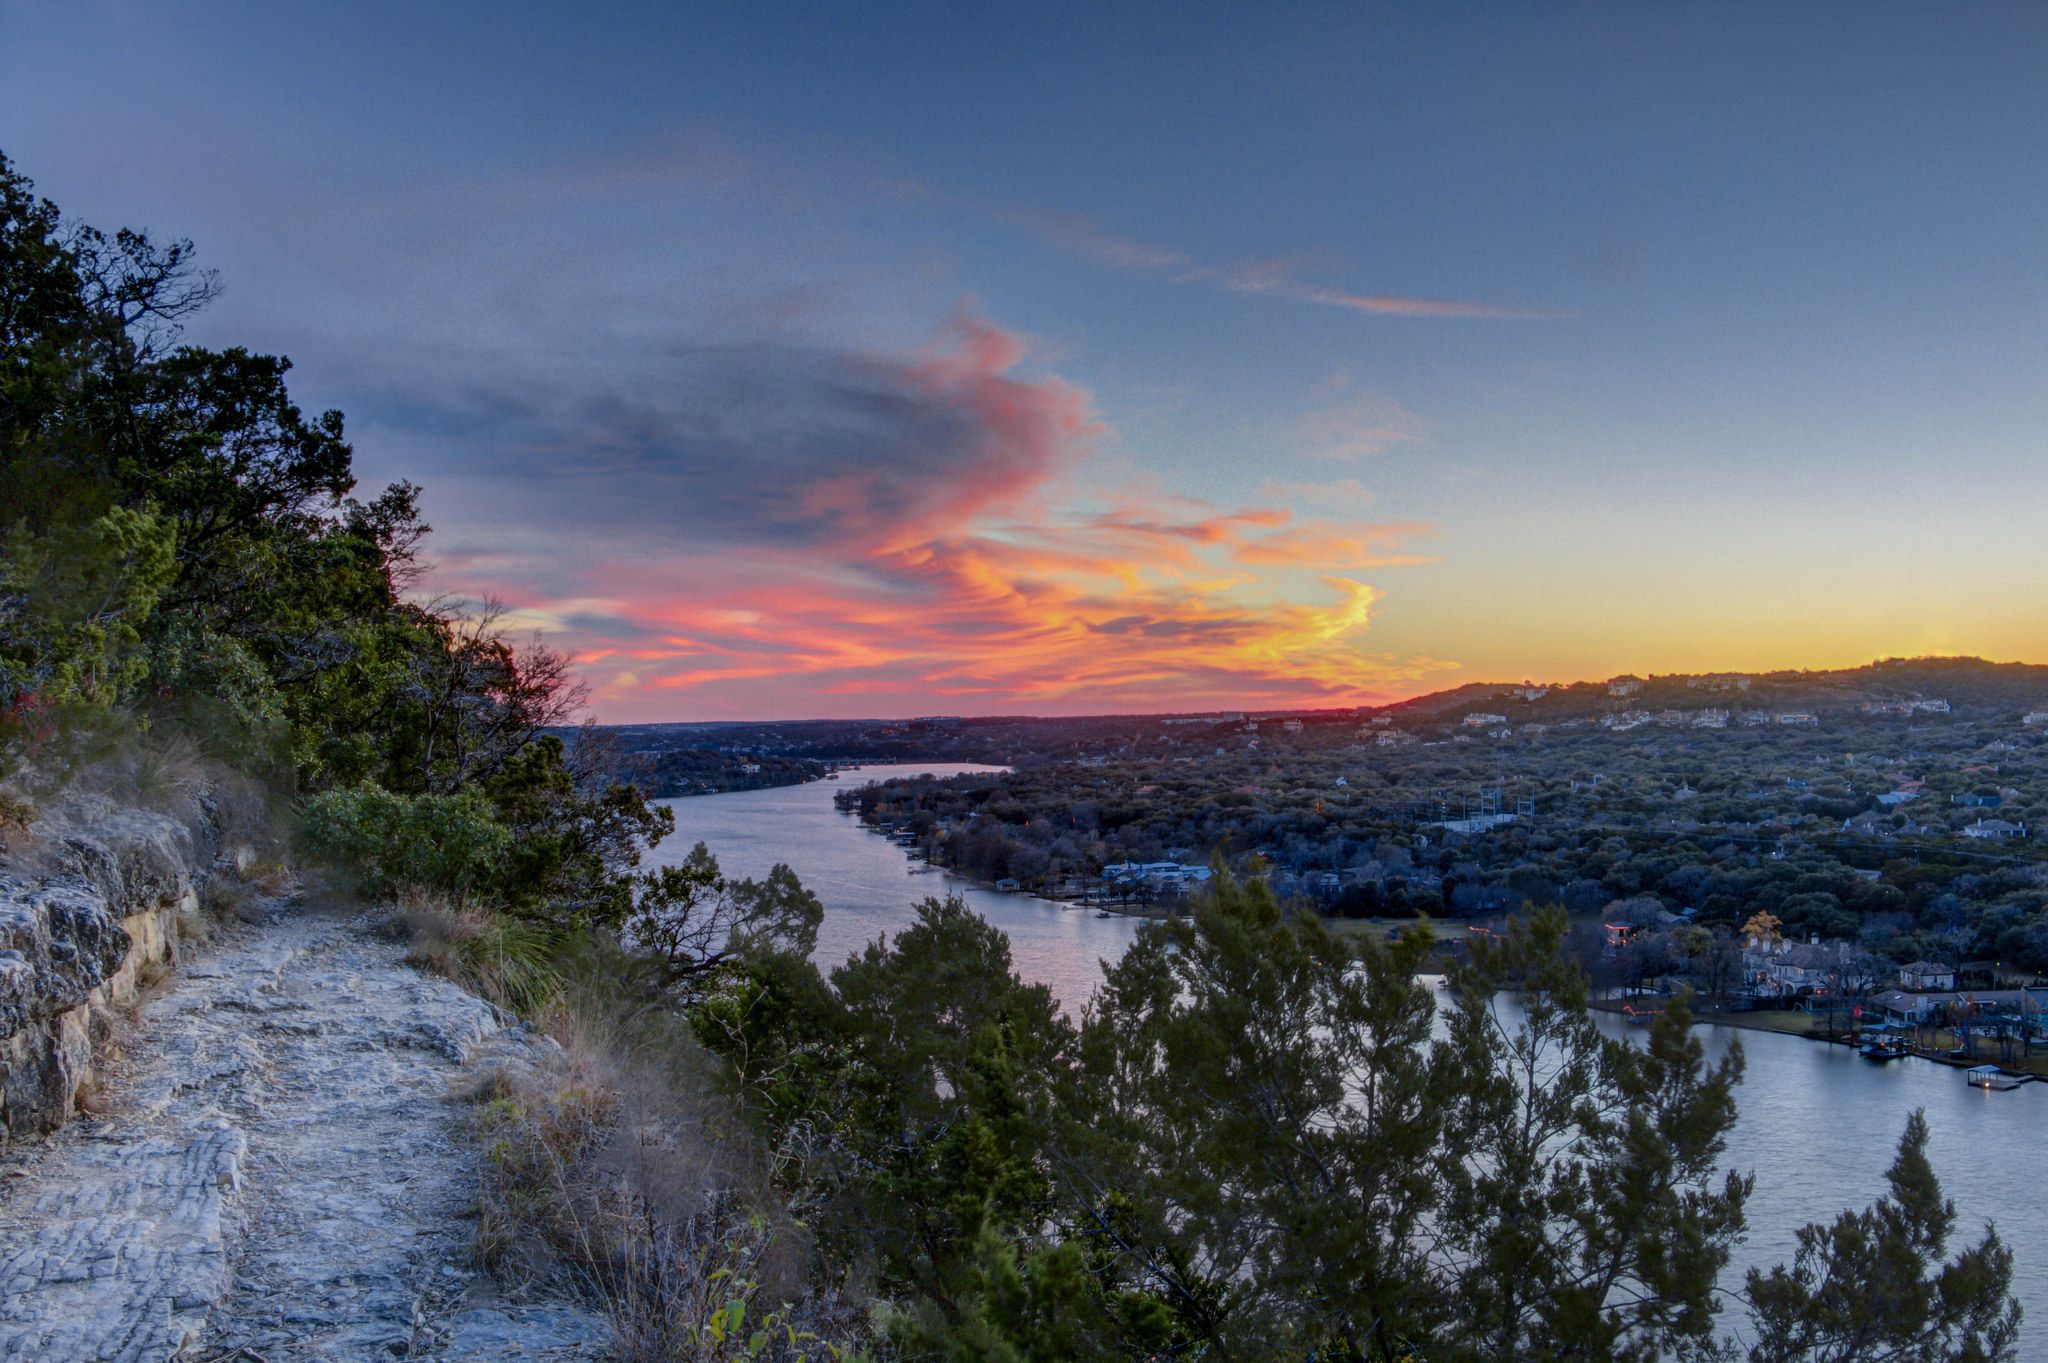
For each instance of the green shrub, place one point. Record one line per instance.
(447, 845)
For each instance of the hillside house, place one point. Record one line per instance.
(1996, 830)
(1484, 721)
(1923, 976)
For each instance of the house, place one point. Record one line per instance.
(1790, 968)
(1710, 719)
(1922, 976)
(1870, 824)
(1160, 875)
(1898, 1006)
(1477, 823)
(2038, 719)
(1625, 686)
(1897, 797)
(1972, 801)
(1996, 830)
(1484, 721)
(1800, 718)
(1292, 726)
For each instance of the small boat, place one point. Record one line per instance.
(1992, 1077)
(831, 776)
(1882, 1049)
(1105, 913)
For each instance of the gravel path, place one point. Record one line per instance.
(280, 1177)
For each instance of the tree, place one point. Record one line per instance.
(1874, 1287)
(948, 1104)
(1763, 929)
(1584, 1215)
(1256, 1128)
(690, 920)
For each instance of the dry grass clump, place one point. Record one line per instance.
(17, 813)
(506, 960)
(166, 773)
(629, 1166)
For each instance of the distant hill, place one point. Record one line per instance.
(1973, 687)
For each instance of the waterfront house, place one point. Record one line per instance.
(1790, 969)
(1899, 1006)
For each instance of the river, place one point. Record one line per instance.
(1818, 1124)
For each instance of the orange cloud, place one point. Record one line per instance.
(847, 533)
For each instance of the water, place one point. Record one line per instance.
(1818, 1124)
(867, 885)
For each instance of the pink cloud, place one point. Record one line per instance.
(917, 538)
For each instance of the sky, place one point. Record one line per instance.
(806, 360)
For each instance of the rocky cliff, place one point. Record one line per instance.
(87, 907)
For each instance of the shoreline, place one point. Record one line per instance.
(1775, 1021)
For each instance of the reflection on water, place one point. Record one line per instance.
(1818, 1124)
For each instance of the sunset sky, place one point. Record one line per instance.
(831, 359)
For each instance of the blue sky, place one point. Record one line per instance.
(837, 359)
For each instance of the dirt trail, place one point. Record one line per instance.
(280, 1176)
